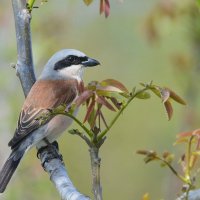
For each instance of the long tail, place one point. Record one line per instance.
(9, 168)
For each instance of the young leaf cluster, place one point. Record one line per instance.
(111, 95)
(188, 162)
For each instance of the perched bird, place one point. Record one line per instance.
(59, 83)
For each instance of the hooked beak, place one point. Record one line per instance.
(90, 62)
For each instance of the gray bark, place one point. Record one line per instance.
(24, 66)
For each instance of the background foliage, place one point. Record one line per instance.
(140, 41)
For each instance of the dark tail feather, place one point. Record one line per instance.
(9, 168)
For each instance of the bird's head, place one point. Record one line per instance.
(67, 64)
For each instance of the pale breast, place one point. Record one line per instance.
(58, 125)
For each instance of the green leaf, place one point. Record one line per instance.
(87, 2)
(30, 4)
(119, 96)
(156, 91)
(143, 95)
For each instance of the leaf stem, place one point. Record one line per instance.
(183, 179)
(119, 113)
(88, 132)
(188, 156)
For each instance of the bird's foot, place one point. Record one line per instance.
(48, 153)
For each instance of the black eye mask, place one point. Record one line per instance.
(69, 61)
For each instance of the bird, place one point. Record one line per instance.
(59, 83)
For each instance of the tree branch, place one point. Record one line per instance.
(25, 72)
(54, 166)
(24, 66)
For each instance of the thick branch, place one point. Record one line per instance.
(24, 67)
(52, 163)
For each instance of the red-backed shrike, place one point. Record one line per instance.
(59, 83)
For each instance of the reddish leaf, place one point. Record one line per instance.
(169, 109)
(105, 7)
(185, 134)
(101, 6)
(176, 98)
(196, 132)
(102, 117)
(89, 110)
(95, 116)
(114, 83)
(188, 134)
(110, 88)
(83, 97)
(103, 101)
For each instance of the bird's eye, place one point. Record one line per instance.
(73, 60)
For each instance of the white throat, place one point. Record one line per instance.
(72, 72)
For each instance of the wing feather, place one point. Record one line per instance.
(44, 95)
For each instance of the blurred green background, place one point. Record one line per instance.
(139, 42)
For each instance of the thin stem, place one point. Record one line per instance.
(30, 4)
(95, 165)
(88, 132)
(119, 113)
(174, 171)
(188, 156)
